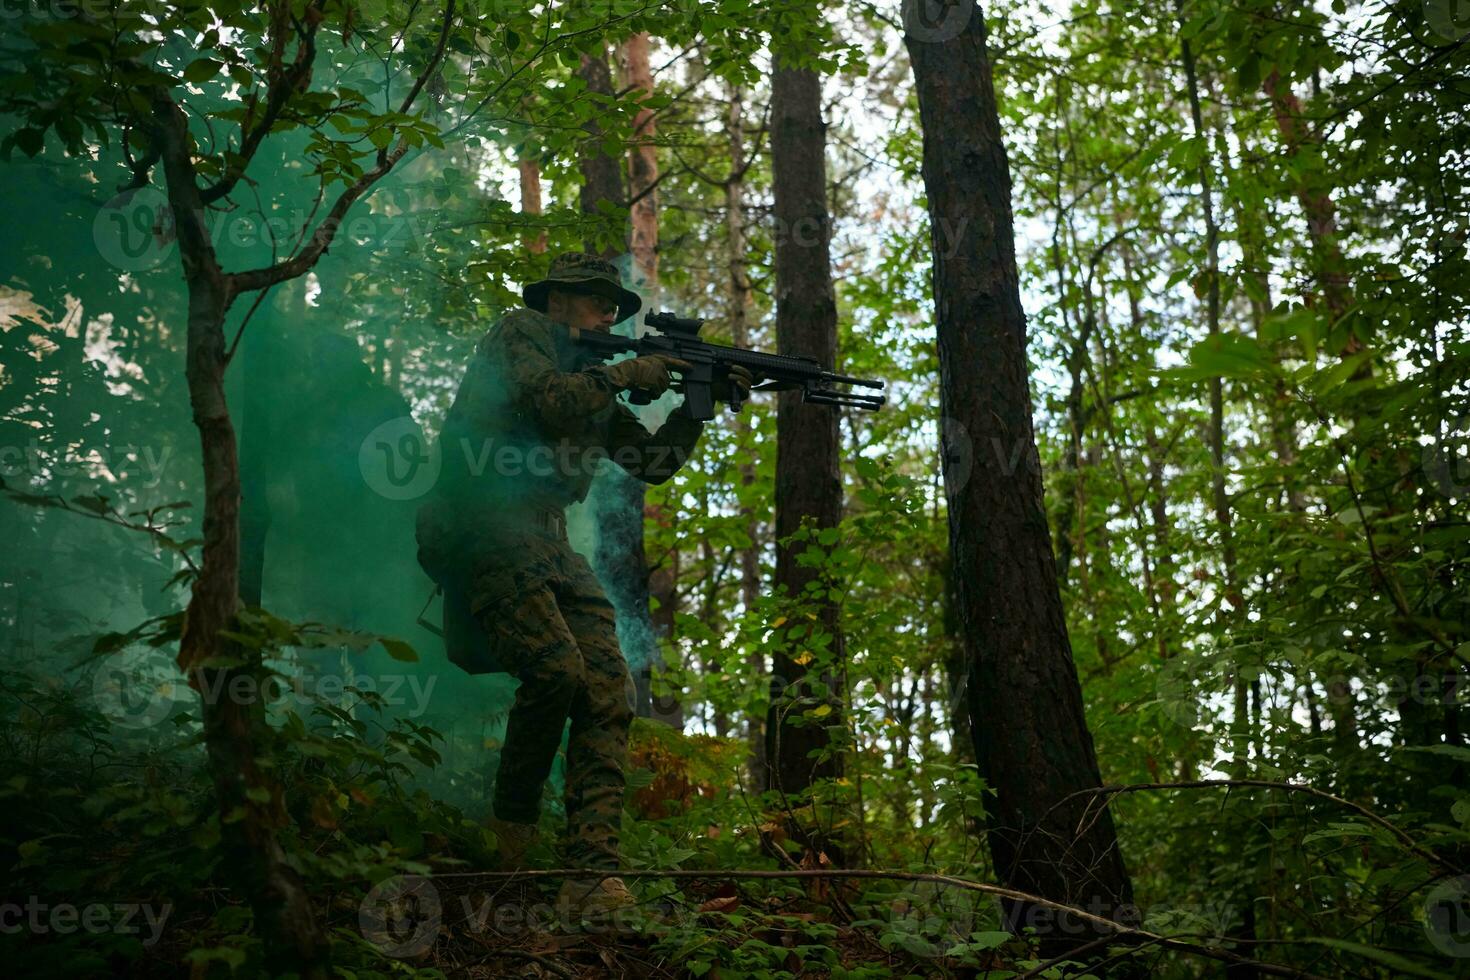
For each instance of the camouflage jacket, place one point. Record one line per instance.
(533, 419)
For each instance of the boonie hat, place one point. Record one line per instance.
(581, 272)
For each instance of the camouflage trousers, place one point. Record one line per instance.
(553, 628)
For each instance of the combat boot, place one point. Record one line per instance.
(512, 840)
(601, 904)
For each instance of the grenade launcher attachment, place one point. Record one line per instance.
(679, 337)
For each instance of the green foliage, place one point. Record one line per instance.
(1322, 641)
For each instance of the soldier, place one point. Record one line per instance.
(532, 419)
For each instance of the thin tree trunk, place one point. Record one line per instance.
(1219, 497)
(250, 801)
(642, 168)
(1330, 269)
(1240, 727)
(1024, 698)
(619, 558)
(530, 170)
(808, 484)
(642, 178)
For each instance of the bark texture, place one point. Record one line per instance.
(643, 243)
(530, 171)
(642, 168)
(1023, 696)
(807, 479)
(1330, 269)
(620, 559)
(234, 727)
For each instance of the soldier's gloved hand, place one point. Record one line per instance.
(648, 373)
(735, 386)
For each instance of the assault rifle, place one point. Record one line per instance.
(679, 337)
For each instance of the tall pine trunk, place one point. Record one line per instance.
(1024, 699)
(642, 179)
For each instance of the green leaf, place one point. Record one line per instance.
(1338, 831)
(1226, 355)
(202, 70)
(30, 140)
(398, 649)
(1399, 963)
(1457, 752)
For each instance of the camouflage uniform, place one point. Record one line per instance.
(531, 420)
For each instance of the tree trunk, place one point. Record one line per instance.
(1219, 498)
(620, 559)
(808, 484)
(1334, 286)
(530, 170)
(1240, 726)
(1025, 702)
(642, 170)
(642, 178)
(250, 801)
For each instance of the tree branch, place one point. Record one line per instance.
(281, 86)
(322, 237)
